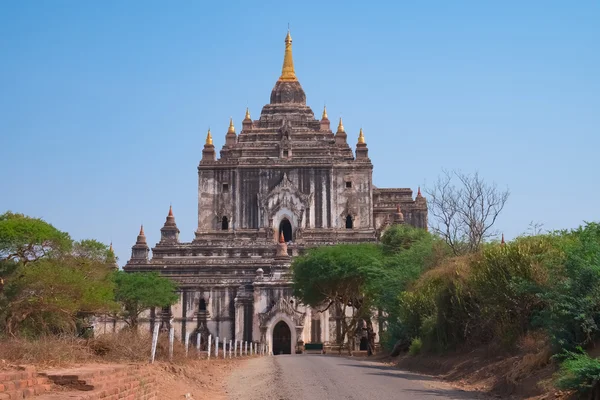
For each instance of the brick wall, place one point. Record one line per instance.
(22, 383)
(91, 382)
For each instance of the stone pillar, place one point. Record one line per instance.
(239, 319)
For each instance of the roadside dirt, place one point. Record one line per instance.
(514, 376)
(202, 379)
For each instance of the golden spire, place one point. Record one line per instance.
(340, 126)
(361, 137)
(209, 141)
(231, 126)
(287, 72)
(324, 113)
(142, 230)
(111, 248)
(247, 114)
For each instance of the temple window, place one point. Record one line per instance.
(286, 227)
(349, 222)
(226, 187)
(348, 184)
(224, 224)
(286, 153)
(202, 305)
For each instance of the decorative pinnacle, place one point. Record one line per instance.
(170, 211)
(231, 126)
(111, 248)
(142, 230)
(281, 238)
(502, 242)
(398, 209)
(361, 137)
(247, 114)
(287, 71)
(209, 141)
(340, 126)
(324, 113)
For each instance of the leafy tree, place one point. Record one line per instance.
(338, 276)
(49, 282)
(408, 251)
(139, 291)
(26, 239)
(572, 297)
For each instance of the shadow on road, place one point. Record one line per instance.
(392, 372)
(446, 394)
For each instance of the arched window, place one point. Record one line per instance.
(224, 224)
(349, 222)
(202, 305)
(286, 227)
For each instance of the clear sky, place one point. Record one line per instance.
(104, 105)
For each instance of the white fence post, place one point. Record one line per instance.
(209, 344)
(217, 347)
(171, 342)
(154, 342)
(224, 348)
(235, 349)
(198, 339)
(230, 345)
(187, 342)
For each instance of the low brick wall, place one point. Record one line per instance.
(22, 384)
(91, 382)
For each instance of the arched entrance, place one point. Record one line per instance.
(282, 339)
(286, 227)
(349, 222)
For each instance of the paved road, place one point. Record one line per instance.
(318, 377)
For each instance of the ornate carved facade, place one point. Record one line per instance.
(286, 182)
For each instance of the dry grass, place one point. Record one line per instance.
(62, 351)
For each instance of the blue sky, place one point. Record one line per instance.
(104, 106)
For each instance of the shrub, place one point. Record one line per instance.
(415, 346)
(579, 372)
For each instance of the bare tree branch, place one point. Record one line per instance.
(464, 214)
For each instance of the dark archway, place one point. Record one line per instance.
(202, 305)
(224, 224)
(364, 343)
(349, 222)
(286, 227)
(282, 339)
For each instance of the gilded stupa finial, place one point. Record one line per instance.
(111, 249)
(231, 126)
(209, 141)
(324, 113)
(340, 126)
(247, 113)
(287, 71)
(361, 137)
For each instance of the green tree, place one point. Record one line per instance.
(49, 282)
(408, 252)
(338, 277)
(139, 291)
(26, 239)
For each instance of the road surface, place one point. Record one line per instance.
(317, 377)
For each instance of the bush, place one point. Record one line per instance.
(415, 346)
(579, 372)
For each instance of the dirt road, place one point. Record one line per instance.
(332, 378)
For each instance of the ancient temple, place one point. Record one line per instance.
(284, 183)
